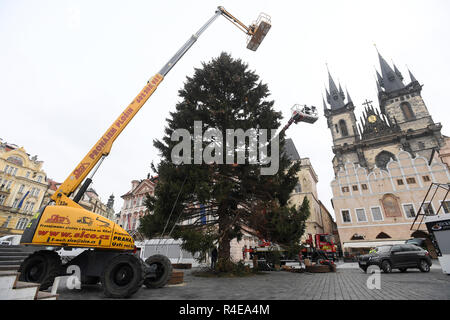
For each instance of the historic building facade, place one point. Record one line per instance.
(134, 203)
(384, 163)
(320, 220)
(23, 184)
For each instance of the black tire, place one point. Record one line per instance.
(41, 267)
(163, 271)
(386, 266)
(403, 269)
(122, 276)
(424, 266)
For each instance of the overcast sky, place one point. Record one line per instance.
(69, 68)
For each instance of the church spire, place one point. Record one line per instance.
(398, 73)
(349, 99)
(391, 79)
(411, 76)
(325, 108)
(336, 100)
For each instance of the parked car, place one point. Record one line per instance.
(11, 240)
(399, 256)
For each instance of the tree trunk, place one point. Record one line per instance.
(224, 237)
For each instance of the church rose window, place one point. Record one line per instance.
(390, 206)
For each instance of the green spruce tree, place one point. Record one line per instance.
(223, 94)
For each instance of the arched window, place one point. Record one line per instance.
(343, 127)
(407, 111)
(383, 158)
(383, 235)
(358, 237)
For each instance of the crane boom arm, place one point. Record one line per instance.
(103, 146)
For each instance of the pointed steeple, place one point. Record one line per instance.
(398, 73)
(349, 99)
(341, 92)
(411, 76)
(379, 87)
(336, 100)
(325, 108)
(391, 78)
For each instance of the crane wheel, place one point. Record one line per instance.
(122, 276)
(161, 271)
(41, 267)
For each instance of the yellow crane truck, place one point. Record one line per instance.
(110, 256)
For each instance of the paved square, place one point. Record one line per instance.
(348, 283)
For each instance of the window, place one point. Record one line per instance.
(345, 189)
(5, 224)
(346, 216)
(383, 235)
(376, 214)
(21, 223)
(355, 188)
(427, 208)
(14, 172)
(409, 210)
(39, 179)
(364, 186)
(410, 180)
(337, 128)
(298, 188)
(361, 215)
(27, 175)
(400, 182)
(21, 188)
(426, 178)
(6, 169)
(407, 111)
(343, 127)
(2, 199)
(446, 206)
(15, 203)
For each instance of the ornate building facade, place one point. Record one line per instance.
(23, 184)
(134, 203)
(384, 163)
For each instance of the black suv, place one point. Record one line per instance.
(400, 256)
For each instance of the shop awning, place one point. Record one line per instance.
(372, 244)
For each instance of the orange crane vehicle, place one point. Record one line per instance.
(110, 258)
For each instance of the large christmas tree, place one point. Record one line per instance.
(206, 203)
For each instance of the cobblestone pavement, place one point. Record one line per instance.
(348, 283)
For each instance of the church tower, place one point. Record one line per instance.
(402, 122)
(342, 124)
(403, 104)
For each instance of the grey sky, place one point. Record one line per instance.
(69, 68)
